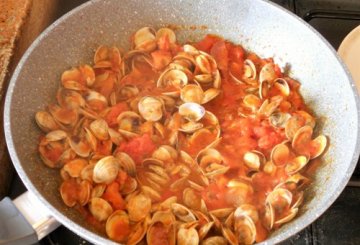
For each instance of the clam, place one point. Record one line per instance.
(129, 186)
(229, 236)
(100, 208)
(115, 136)
(68, 195)
(87, 172)
(268, 107)
(67, 117)
(150, 192)
(301, 139)
(45, 121)
(126, 163)
(106, 170)
(318, 146)
(192, 93)
(252, 101)
(249, 70)
(269, 217)
(74, 167)
(204, 64)
(210, 94)
(267, 73)
(128, 91)
(151, 108)
(280, 154)
(204, 230)
(55, 135)
(279, 198)
(253, 159)
(279, 119)
(298, 199)
(214, 240)
(190, 49)
(192, 111)
(138, 207)
(283, 86)
(118, 226)
(138, 232)
(247, 210)
(245, 229)
(96, 101)
(165, 153)
(291, 214)
(162, 225)
(80, 146)
(173, 77)
(190, 127)
(98, 190)
(166, 32)
(166, 204)
(203, 78)
(187, 236)
(91, 139)
(128, 121)
(296, 180)
(144, 39)
(100, 129)
(192, 198)
(309, 120)
(70, 99)
(84, 192)
(222, 213)
(179, 184)
(292, 125)
(182, 213)
(296, 164)
(264, 88)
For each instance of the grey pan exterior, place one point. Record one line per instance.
(259, 25)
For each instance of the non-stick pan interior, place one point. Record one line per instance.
(260, 26)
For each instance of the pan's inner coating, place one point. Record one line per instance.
(170, 143)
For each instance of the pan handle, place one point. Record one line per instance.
(24, 220)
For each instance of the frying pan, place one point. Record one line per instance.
(260, 26)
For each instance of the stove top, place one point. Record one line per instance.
(334, 19)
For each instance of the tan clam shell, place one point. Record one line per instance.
(187, 236)
(45, 121)
(279, 119)
(144, 39)
(100, 129)
(245, 229)
(222, 213)
(192, 111)
(182, 213)
(70, 99)
(214, 240)
(68, 195)
(296, 164)
(166, 32)
(138, 232)
(118, 218)
(150, 192)
(79, 146)
(280, 154)
(192, 93)
(282, 85)
(127, 163)
(151, 108)
(84, 193)
(138, 207)
(279, 198)
(74, 167)
(106, 170)
(248, 210)
(229, 235)
(267, 73)
(100, 208)
(161, 221)
(292, 213)
(67, 117)
(269, 217)
(173, 77)
(254, 159)
(250, 71)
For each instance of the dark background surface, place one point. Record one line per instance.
(334, 19)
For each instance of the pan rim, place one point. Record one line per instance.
(95, 238)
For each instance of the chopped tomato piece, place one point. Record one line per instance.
(113, 196)
(220, 54)
(206, 43)
(114, 113)
(138, 148)
(164, 43)
(161, 59)
(236, 53)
